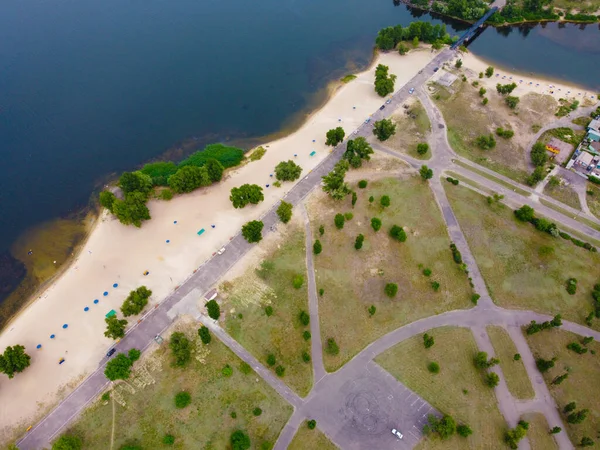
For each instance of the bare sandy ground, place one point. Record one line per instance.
(116, 254)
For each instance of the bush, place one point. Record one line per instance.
(444, 427)
(577, 417)
(269, 311)
(287, 171)
(252, 231)
(571, 286)
(536, 176)
(428, 340)
(585, 440)
(321, 292)
(227, 371)
(475, 298)
(525, 213)
(506, 134)
(544, 365)
(464, 430)
(213, 309)
(517, 357)
(371, 310)
(456, 256)
(284, 211)
(239, 440)
(280, 371)
(358, 243)
(305, 357)
(166, 194)
(204, 335)
(168, 439)
(391, 289)
(304, 318)
(298, 281)
(376, 223)
(575, 347)
(482, 91)
(435, 285)
(538, 155)
(426, 173)
(398, 233)
(348, 216)
(486, 142)
(362, 184)
(180, 348)
(433, 367)
(492, 379)
(512, 101)
(332, 347)
(136, 301)
(422, 148)
(182, 399)
(258, 153)
(317, 247)
(306, 335)
(107, 199)
(311, 424)
(227, 156)
(189, 178)
(385, 201)
(67, 442)
(339, 221)
(257, 412)
(354, 198)
(512, 437)
(371, 199)
(245, 368)
(485, 101)
(427, 272)
(271, 359)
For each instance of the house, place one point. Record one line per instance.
(594, 148)
(584, 159)
(594, 126)
(559, 149)
(593, 135)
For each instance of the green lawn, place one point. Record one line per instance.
(457, 390)
(517, 380)
(538, 435)
(353, 280)
(150, 412)
(281, 333)
(524, 268)
(580, 386)
(310, 439)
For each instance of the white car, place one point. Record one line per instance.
(397, 433)
(220, 252)
(411, 90)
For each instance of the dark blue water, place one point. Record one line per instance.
(90, 87)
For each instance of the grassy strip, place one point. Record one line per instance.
(306, 438)
(538, 434)
(578, 218)
(507, 185)
(348, 78)
(468, 181)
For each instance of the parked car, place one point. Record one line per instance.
(397, 433)
(388, 101)
(111, 352)
(436, 69)
(381, 107)
(221, 251)
(368, 120)
(411, 90)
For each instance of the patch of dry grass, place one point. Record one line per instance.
(564, 194)
(538, 433)
(412, 127)
(353, 280)
(310, 439)
(457, 390)
(593, 199)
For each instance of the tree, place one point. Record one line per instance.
(402, 49)
(304, 318)
(464, 430)
(334, 184)
(287, 171)
(398, 233)
(362, 184)
(415, 42)
(182, 399)
(512, 437)
(134, 354)
(332, 347)
(136, 301)
(376, 223)
(271, 359)
(239, 440)
(280, 371)
(252, 231)
(168, 439)
(384, 129)
(481, 361)
(118, 368)
(512, 101)
(433, 367)
(384, 83)
(371, 310)
(577, 417)
(107, 199)
(358, 243)
(339, 221)
(67, 442)
(115, 328)
(486, 142)
(458, 63)
(298, 281)
(135, 182)
(555, 430)
(572, 406)
(426, 173)
(317, 247)
(311, 424)
(492, 379)
(428, 340)
(422, 148)
(444, 427)
(189, 178)
(357, 150)
(544, 365)
(204, 334)
(586, 442)
(391, 289)
(284, 211)
(504, 89)
(536, 176)
(245, 194)
(335, 136)
(489, 71)
(385, 201)
(354, 198)
(539, 156)
(132, 210)
(482, 91)
(14, 360)
(214, 169)
(525, 213)
(180, 348)
(213, 309)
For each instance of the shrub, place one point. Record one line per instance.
(575, 347)
(464, 430)
(332, 347)
(311, 424)
(371, 310)
(252, 231)
(66, 442)
(426, 173)
(486, 142)
(489, 71)
(204, 335)
(456, 254)
(492, 379)
(213, 309)
(107, 199)
(339, 221)
(544, 365)
(348, 216)
(354, 198)
(517, 357)
(572, 406)
(433, 367)
(435, 285)
(287, 171)
(180, 348)
(475, 298)
(512, 437)
(385, 201)
(258, 153)
(168, 439)
(559, 379)
(182, 399)
(257, 411)
(485, 101)
(105, 397)
(358, 243)
(233, 415)
(298, 281)
(304, 318)
(571, 286)
(305, 357)
(398, 233)
(481, 361)
(321, 292)
(555, 430)
(587, 340)
(482, 91)
(371, 199)
(427, 272)
(239, 440)
(391, 289)
(444, 427)
(585, 440)
(577, 417)
(284, 211)
(317, 247)
(422, 148)
(245, 368)
(512, 101)
(362, 184)
(525, 213)
(269, 311)
(321, 230)
(306, 335)
(166, 194)
(376, 223)
(227, 371)
(428, 340)
(506, 134)
(280, 371)
(271, 359)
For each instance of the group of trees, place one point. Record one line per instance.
(513, 436)
(136, 301)
(334, 182)
(426, 173)
(445, 427)
(14, 360)
(245, 194)
(287, 171)
(527, 214)
(384, 82)
(389, 38)
(528, 10)
(482, 362)
(119, 368)
(335, 136)
(535, 327)
(181, 349)
(486, 142)
(463, 9)
(357, 150)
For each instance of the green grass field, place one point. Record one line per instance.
(580, 386)
(310, 439)
(457, 390)
(207, 422)
(524, 268)
(281, 333)
(515, 374)
(353, 280)
(539, 438)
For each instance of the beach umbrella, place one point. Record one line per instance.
(39, 346)
(168, 240)
(105, 293)
(65, 326)
(86, 309)
(174, 221)
(115, 285)
(96, 301)
(52, 336)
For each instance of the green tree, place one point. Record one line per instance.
(182, 399)
(458, 63)
(489, 71)
(252, 231)
(464, 430)
(512, 101)
(398, 233)
(539, 156)
(284, 211)
(136, 301)
(168, 439)
(433, 367)
(332, 347)
(426, 173)
(481, 361)
(189, 178)
(385, 201)
(118, 368)
(492, 379)
(391, 289)
(577, 417)
(280, 371)
(180, 348)
(245, 194)
(362, 184)
(444, 427)
(415, 42)
(339, 221)
(428, 340)
(134, 354)
(213, 309)
(132, 210)
(335, 136)
(115, 328)
(214, 169)
(555, 430)
(304, 318)
(311, 424)
(384, 129)
(14, 360)
(512, 437)
(384, 83)
(372, 310)
(482, 91)
(402, 49)
(586, 442)
(422, 148)
(357, 150)
(107, 199)
(287, 171)
(298, 281)
(239, 440)
(334, 184)
(317, 247)
(525, 213)
(376, 223)
(204, 334)
(67, 442)
(358, 243)
(486, 142)
(135, 182)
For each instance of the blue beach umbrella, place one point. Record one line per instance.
(52, 336)
(65, 326)
(96, 301)
(116, 285)
(39, 346)
(86, 309)
(105, 293)
(174, 221)
(168, 240)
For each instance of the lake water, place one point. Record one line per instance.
(91, 88)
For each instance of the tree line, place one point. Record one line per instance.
(388, 38)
